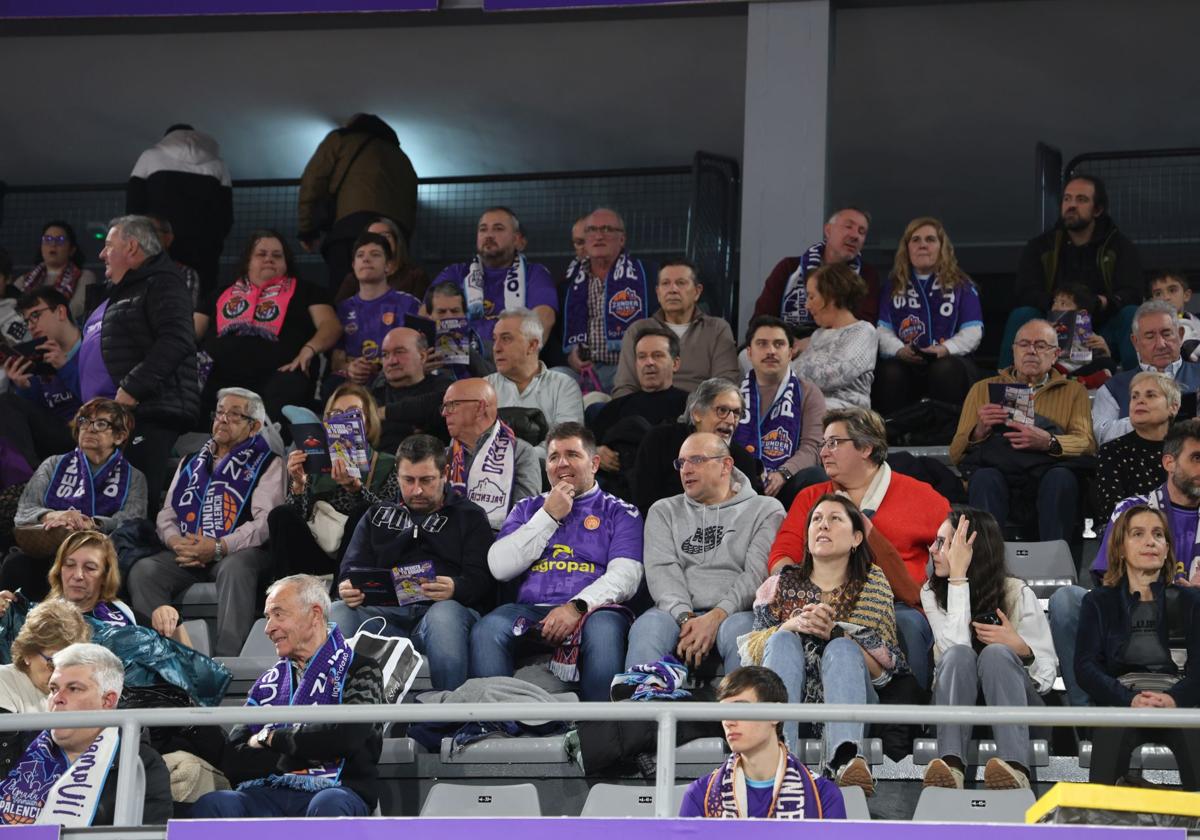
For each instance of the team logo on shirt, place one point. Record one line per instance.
(389, 318)
(351, 327)
(591, 522)
(625, 305)
(776, 444)
(370, 349)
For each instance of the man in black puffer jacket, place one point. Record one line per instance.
(139, 346)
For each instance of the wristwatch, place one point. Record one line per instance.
(684, 617)
(218, 551)
(785, 472)
(1055, 448)
(580, 605)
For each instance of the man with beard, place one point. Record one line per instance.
(1179, 499)
(784, 294)
(1084, 247)
(499, 278)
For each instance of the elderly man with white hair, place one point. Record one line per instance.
(522, 379)
(214, 523)
(1157, 337)
(308, 769)
(68, 777)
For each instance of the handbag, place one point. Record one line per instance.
(327, 525)
(324, 209)
(38, 542)
(397, 658)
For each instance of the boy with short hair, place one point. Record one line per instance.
(1172, 286)
(1092, 375)
(760, 778)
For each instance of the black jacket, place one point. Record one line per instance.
(148, 343)
(456, 538)
(1104, 620)
(1108, 265)
(158, 805)
(360, 744)
(655, 476)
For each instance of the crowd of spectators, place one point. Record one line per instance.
(663, 500)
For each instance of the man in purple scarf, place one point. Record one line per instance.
(214, 524)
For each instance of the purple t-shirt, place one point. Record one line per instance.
(94, 379)
(366, 322)
(758, 800)
(539, 291)
(598, 528)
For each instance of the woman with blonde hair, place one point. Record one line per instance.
(930, 321)
(312, 528)
(48, 628)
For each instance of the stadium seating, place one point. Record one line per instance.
(972, 806)
(606, 800)
(451, 800)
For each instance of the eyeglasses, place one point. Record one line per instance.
(230, 416)
(936, 545)
(578, 242)
(98, 423)
(725, 412)
(1039, 346)
(32, 316)
(832, 443)
(696, 460)
(592, 230)
(449, 406)
(50, 239)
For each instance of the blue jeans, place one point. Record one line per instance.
(439, 630)
(1057, 498)
(1065, 605)
(279, 802)
(655, 634)
(601, 647)
(844, 677)
(916, 640)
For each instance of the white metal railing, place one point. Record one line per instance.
(666, 715)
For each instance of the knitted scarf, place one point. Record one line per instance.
(44, 788)
(514, 287)
(66, 283)
(771, 439)
(725, 796)
(625, 292)
(247, 309)
(73, 485)
(209, 496)
(490, 480)
(793, 309)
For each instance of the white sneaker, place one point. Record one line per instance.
(1000, 775)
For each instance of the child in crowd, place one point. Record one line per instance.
(761, 778)
(369, 315)
(1077, 298)
(1173, 287)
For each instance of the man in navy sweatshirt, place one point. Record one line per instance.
(432, 526)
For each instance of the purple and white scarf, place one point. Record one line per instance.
(322, 684)
(209, 499)
(773, 439)
(625, 293)
(725, 796)
(514, 287)
(112, 614)
(74, 485)
(489, 481)
(926, 314)
(43, 788)
(793, 308)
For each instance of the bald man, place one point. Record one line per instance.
(409, 401)
(486, 461)
(704, 566)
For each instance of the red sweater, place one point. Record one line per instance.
(909, 517)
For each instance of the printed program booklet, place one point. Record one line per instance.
(408, 579)
(1074, 328)
(1016, 399)
(342, 436)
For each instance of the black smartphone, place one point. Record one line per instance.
(32, 350)
(988, 618)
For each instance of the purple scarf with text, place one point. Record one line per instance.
(35, 790)
(774, 439)
(725, 795)
(793, 309)
(490, 480)
(209, 498)
(74, 485)
(321, 685)
(625, 292)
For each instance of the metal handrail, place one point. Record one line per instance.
(665, 714)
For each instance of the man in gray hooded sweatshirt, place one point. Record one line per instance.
(705, 556)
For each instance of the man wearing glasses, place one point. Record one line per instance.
(46, 381)
(214, 524)
(487, 463)
(606, 293)
(705, 556)
(1011, 464)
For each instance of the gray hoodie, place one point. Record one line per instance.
(699, 557)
